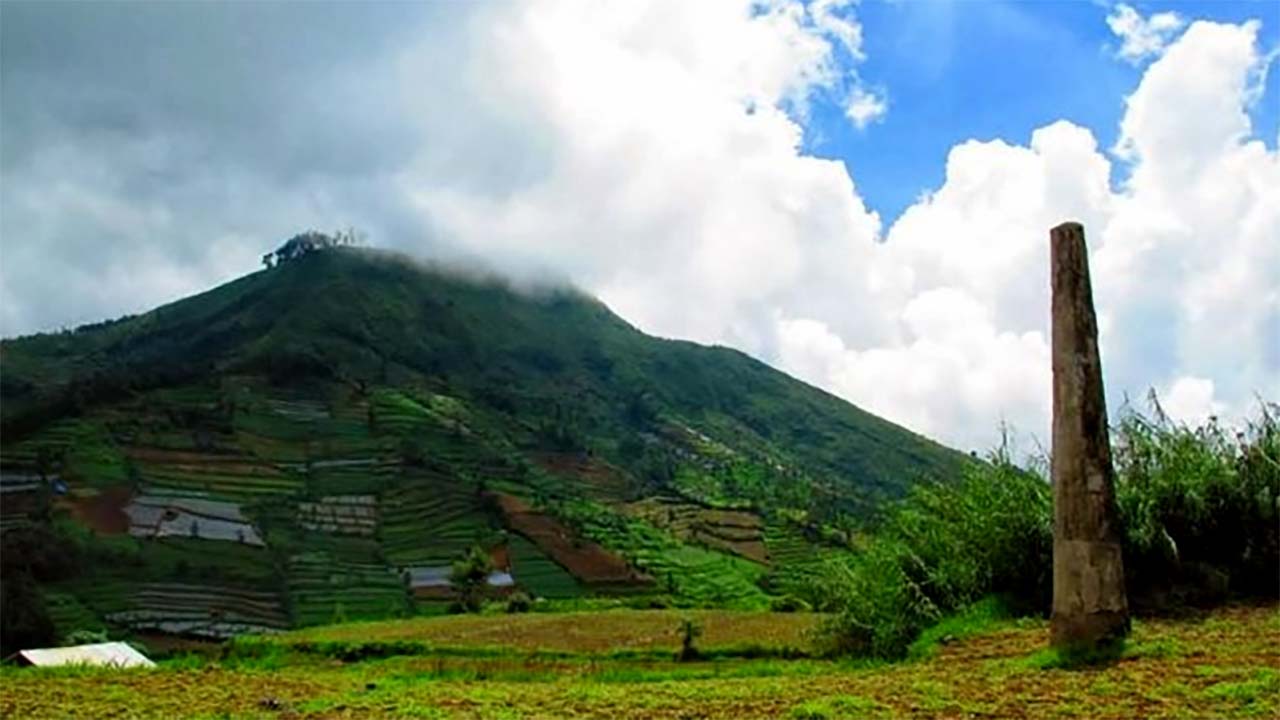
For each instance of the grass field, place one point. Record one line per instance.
(1222, 665)
(601, 632)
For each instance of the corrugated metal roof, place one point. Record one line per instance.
(439, 577)
(111, 654)
(424, 577)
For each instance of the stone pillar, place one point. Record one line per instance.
(1089, 604)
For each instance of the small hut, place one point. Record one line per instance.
(108, 654)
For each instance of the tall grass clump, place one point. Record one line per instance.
(944, 546)
(1200, 507)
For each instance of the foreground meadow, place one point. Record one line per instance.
(1222, 665)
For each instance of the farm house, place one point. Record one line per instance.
(109, 654)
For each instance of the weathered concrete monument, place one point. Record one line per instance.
(1089, 604)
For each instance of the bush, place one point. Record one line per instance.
(789, 604)
(690, 631)
(940, 549)
(519, 602)
(1200, 508)
(1200, 511)
(469, 578)
(85, 637)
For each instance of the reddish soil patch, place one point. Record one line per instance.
(103, 511)
(587, 561)
(19, 504)
(734, 531)
(604, 480)
(198, 462)
(501, 557)
(160, 643)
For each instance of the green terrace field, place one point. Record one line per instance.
(620, 664)
(542, 576)
(326, 589)
(316, 431)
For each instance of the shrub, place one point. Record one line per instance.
(470, 577)
(789, 604)
(1199, 508)
(519, 602)
(690, 631)
(85, 637)
(943, 547)
(1200, 511)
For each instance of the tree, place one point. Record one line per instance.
(690, 631)
(470, 577)
(24, 619)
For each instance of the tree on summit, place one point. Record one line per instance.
(312, 241)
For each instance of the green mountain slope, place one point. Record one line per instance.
(312, 437)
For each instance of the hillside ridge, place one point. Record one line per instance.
(347, 424)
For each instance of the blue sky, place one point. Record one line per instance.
(152, 150)
(990, 69)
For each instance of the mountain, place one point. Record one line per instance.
(322, 438)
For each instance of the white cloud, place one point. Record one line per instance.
(865, 107)
(1186, 258)
(697, 219)
(1142, 38)
(1189, 400)
(652, 154)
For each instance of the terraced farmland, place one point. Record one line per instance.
(432, 520)
(590, 476)
(158, 516)
(20, 498)
(212, 611)
(80, 451)
(326, 495)
(341, 514)
(591, 564)
(325, 589)
(537, 573)
(700, 576)
(69, 614)
(795, 559)
(736, 531)
(213, 475)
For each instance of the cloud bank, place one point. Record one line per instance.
(653, 155)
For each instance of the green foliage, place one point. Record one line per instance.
(1073, 658)
(24, 619)
(698, 577)
(789, 604)
(85, 637)
(1201, 508)
(943, 547)
(347, 372)
(972, 620)
(469, 578)
(519, 602)
(556, 367)
(690, 631)
(840, 707)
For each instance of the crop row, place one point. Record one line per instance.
(324, 589)
(204, 610)
(431, 523)
(539, 574)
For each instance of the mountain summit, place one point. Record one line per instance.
(328, 434)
